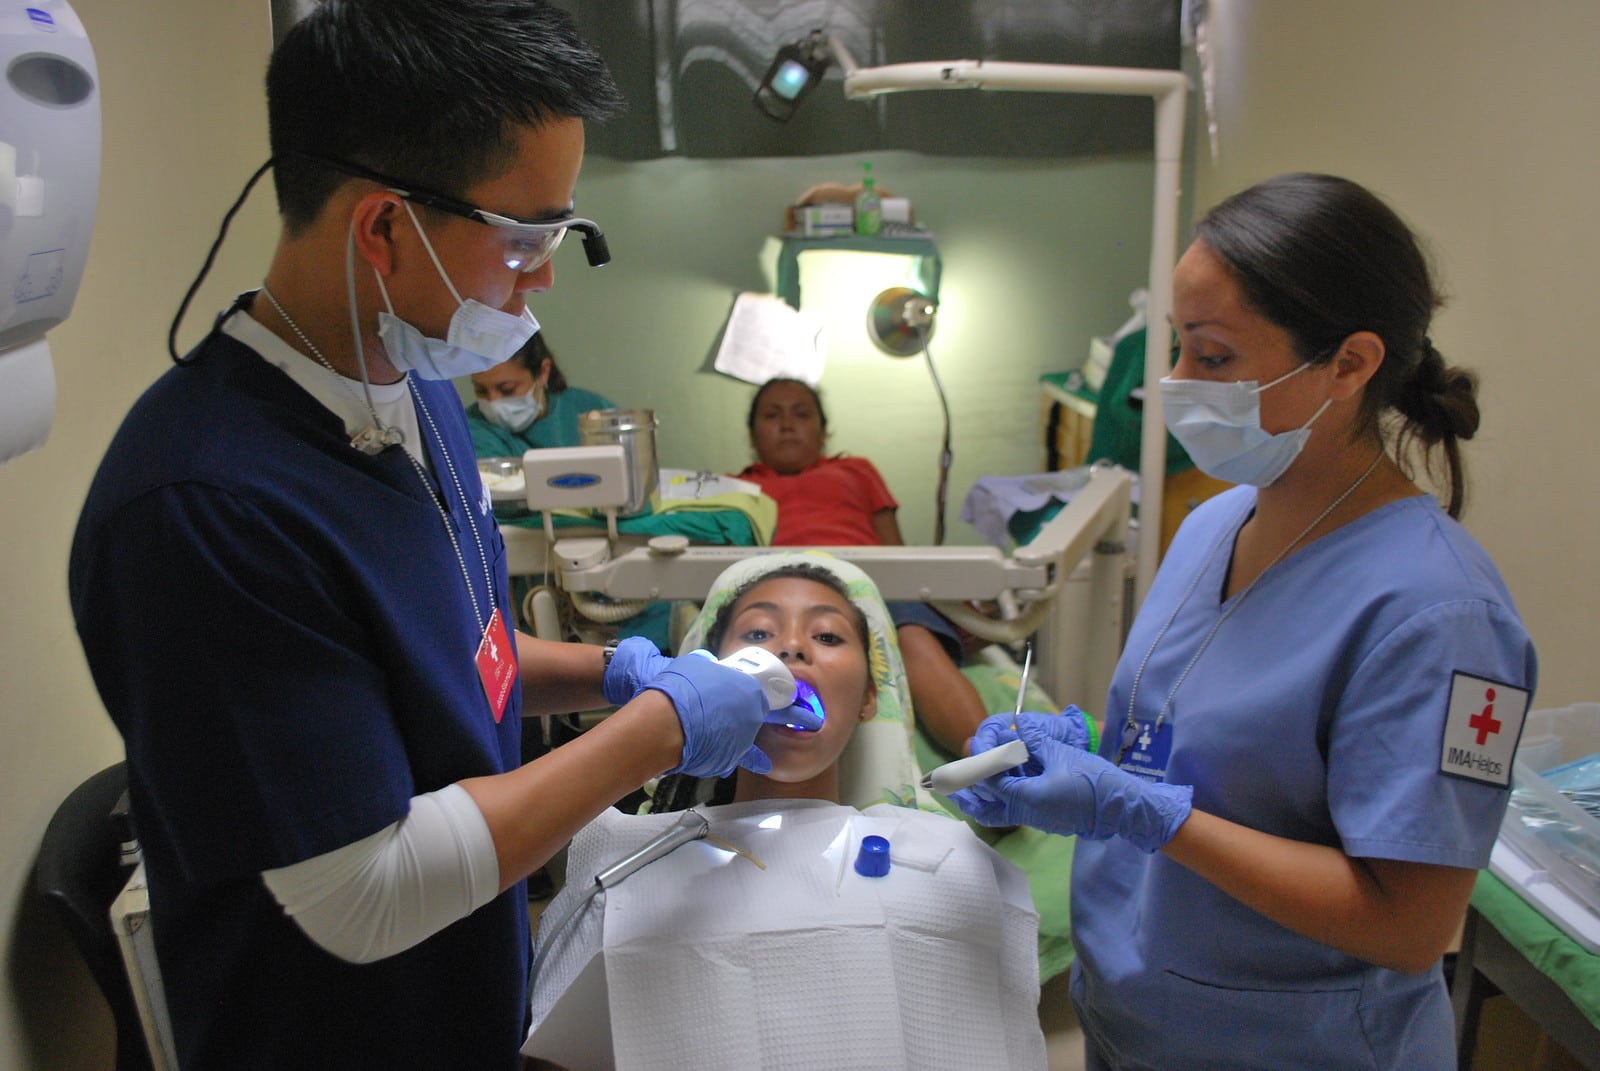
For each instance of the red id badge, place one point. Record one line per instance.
(497, 665)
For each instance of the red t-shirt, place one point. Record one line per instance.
(827, 504)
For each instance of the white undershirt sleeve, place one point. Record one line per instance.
(384, 893)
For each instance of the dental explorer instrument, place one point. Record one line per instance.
(963, 773)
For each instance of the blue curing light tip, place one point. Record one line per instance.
(872, 861)
(807, 696)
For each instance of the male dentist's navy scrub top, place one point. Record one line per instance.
(279, 627)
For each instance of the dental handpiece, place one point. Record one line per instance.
(777, 683)
(691, 826)
(963, 773)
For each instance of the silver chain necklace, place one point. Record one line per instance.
(1130, 727)
(466, 507)
(393, 436)
(305, 341)
(369, 440)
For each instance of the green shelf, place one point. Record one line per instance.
(927, 268)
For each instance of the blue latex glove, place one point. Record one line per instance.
(996, 730)
(1064, 789)
(635, 661)
(721, 710)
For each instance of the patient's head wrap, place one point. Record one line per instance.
(879, 764)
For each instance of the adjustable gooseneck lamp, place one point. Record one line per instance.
(800, 66)
(900, 322)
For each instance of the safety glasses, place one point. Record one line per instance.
(526, 243)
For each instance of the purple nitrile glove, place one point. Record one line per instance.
(1065, 789)
(996, 730)
(721, 709)
(633, 663)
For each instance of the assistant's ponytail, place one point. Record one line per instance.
(1438, 408)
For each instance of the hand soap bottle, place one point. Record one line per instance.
(869, 206)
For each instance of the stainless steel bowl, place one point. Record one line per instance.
(500, 466)
(503, 477)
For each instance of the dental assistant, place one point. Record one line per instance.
(1309, 737)
(293, 598)
(526, 404)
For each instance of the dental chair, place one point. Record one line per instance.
(884, 763)
(710, 939)
(82, 868)
(1070, 586)
(877, 772)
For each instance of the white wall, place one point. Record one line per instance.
(183, 128)
(1478, 122)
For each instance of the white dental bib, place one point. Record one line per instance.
(702, 959)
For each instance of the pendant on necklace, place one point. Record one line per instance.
(372, 440)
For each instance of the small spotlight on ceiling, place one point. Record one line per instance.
(797, 68)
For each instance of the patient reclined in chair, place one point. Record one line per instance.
(765, 944)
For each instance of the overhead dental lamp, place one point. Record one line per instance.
(49, 182)
(795, 71)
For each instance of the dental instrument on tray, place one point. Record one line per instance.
(963, 773)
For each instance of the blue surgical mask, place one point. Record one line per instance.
(1219, 425)
(479, 337)
(516, 413)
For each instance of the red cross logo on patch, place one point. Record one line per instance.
(1484, 721)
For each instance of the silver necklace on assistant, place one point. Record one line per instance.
(1130, 726)
(384, 436)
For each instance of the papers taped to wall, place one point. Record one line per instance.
(767, 338)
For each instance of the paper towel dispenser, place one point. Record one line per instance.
(49, 183)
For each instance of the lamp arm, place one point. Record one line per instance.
(841, 55)
(987, 628)
(1027, 77)
(1169, 90)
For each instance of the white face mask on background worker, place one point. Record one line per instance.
(516, 413)
(1219, 425)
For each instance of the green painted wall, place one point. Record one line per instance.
(1038, 256)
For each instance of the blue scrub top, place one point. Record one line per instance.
(280, 629)
(1316, 713)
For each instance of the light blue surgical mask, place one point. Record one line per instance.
(516, 413)
(479, 337)
(1219, 425)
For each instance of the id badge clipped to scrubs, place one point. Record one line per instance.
(497, 668)
(1147, 755)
